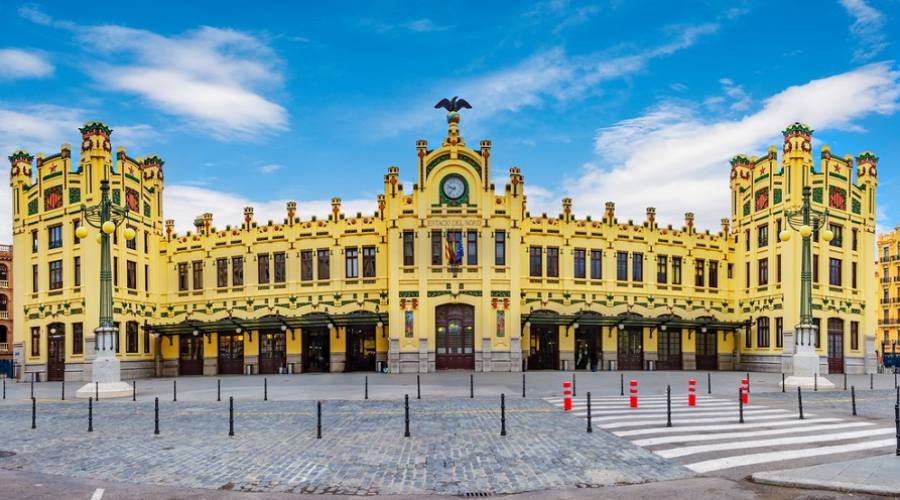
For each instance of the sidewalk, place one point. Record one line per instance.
(874, 475)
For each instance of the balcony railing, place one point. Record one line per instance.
(4, 346)
(4, 283)
(6, 248)
(4, 314)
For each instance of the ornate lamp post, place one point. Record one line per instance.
(806, 220)
(105, 368)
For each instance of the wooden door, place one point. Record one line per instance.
(190, 359)
(360, 348)
(544, 348)
(631, 348)
(56, 357)
(272, 349)
(231, 353)
(707, 354)
(835, 345)
(669, 349)
(454, 326)
(316, 349)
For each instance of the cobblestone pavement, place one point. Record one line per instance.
(878, 403)
(455, 448)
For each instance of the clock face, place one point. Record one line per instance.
(454, 187)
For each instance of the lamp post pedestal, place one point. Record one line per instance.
(106, 381)
(806, 361)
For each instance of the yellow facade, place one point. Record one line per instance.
(888, 278)
(450, 272)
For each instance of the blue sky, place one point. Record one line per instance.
(640, 103)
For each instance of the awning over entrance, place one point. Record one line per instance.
(590, 318)
(270, 322)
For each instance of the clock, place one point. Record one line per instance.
(453, 187)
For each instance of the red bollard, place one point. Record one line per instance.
(633, 390)
(745, 391)
(567, 395)
(692, 392)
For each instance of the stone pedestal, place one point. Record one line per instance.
(106, 379)
(805, 361)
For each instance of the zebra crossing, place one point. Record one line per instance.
(708, 437)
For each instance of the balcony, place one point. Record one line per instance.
(4, 314)
(6, 248)
(4, 347)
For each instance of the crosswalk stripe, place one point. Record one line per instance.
(624, 412)
(735, 426)
(778, 456)
(654, 405)
(625, 399)
(743, 445)
(730, 435)
(732, 418)
(662, 414)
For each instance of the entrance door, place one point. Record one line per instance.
(454, 332)
(360, 348)
(835, 345)
(544, 348)
(231, 353)
(190, 359)
(316, 349)
(271, 351)
(631, 348)
(56, 355)
(707, 355)
(669, 349)
(587, 352)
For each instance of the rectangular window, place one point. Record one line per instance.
(280, 272)
(854, 243)
(815, 268)
(472, 248)
(779, 332)
(534, 261)
(838, 239)
(762, 236)
(699, 267)
(146, 241)
(77, 271)
(146, 340)
(56, 275)
(131, 244)
(323, 264)
(409, 248)
(54, 236)
(182, 277)
(75, 225)
(131, 275)
(748, 339)
(34, 278)
(854, 335)
(500, 248)
(747, 240)
(131, 337)
(747, 273)
(262, 268)
(818, 322)
(351, 257)
(662, 269)
(306, 265)
(34, 241)
(237, 271)
(622, 266)
(853, 275)
(637, 266)
(552, 262)
(146, 277)
(778, 228)
(455, 241)
(730, 271)
(713, 274)
(676, 270)
(763, 272)
(580, 270)
(436, 249)
(834, 272)
(368, 262)
(77, 338)
(762, 332)
(115, 270)
(596, 264)
(222, 272)
(778, 268)
(197, 268)
(35, 341)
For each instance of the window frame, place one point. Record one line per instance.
(351, 263)
(369, 261)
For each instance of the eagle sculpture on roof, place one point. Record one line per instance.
(453, 105)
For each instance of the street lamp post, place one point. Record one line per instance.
(106, 373)
(806, 220)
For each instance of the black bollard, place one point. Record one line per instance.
(97, 391)
(33, 413)
(174, 390)
(523, 385)
(708, 383)
(90, 415)
(502, 414)
(800, 401)
(265, 389)
(156, 415)
(63, 391)
(895, 379)
(815, 382)
(471, 386)
(406, 411)
(748, 382)
(871, 381)
(134, 390)
(669, 406)
(418, 387)
(574, 394)
(782, 382)
(845, 381)
(898, 396)
(366, 389)
(218, 389)
(853, 398)
(318, 420)
(740, 407)
(231, 415)
(621, 384)
(897, 426)
(590, 429)
(4, 388)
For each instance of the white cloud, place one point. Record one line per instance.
(16, 64)
(675, 158)
(867, 28)
(184, 203)
(424, 25)
(270, 168)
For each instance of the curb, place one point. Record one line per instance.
(775, 479)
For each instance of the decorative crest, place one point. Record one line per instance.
(453, 105)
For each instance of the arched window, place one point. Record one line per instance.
(4, 303)
(131, 337)
(4, 272)
(3, 338)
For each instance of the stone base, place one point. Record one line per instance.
(105, 390)
(807, 382)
